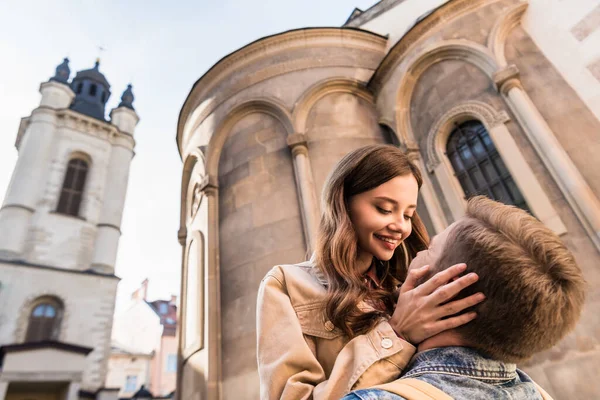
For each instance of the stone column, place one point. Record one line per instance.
(213, 296)
(113, 202)
(28, 181)
(436, 214)
(3, 389)
(584, 202)
(306, 188)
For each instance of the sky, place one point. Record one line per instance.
(160, 47)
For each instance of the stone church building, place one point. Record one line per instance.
(494, 97)
(59, 232)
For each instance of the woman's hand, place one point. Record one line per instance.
(420, 310)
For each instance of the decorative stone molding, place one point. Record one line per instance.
(193, 171)
(440, 17)
(470, 52)
(267, 48)
(499, 33)
(298, 144)
(494, 122)
(507, 78)
(439, 133)
(267, 106)
(321, 89)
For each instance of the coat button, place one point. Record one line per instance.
(329, 326)
(386, 343)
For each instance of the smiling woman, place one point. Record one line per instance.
(345, 321)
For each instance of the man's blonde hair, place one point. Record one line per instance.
(534, 289)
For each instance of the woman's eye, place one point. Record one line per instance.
(383, 210)
(408, 217)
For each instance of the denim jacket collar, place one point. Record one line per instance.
(461, 361)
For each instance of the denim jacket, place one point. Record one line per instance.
(462, 373)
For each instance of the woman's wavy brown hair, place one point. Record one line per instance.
(337, 244)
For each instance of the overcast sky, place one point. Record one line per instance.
(162, 48)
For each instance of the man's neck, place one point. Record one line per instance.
(444, 339)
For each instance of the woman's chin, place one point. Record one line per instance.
(384, 255)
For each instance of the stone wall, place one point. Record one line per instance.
(449, 83)
(260, 226)
(88, 310)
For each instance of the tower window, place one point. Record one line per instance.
(44, 320)
(79, 87)
(72, 189)
(479, 167)
(104, 97)
(93, 89)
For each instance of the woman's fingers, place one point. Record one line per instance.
(459, 305)
(441, 278)
(451, 323)
(448, 291)
(412, 278)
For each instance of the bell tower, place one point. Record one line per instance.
(64, 204)
(60, 225)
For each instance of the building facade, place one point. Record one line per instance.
(59, 233)
(496, 97)
(144, 346)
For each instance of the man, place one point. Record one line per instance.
(534, 296)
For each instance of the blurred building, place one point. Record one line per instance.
(144, 346)
(59, 234)
(498, 97)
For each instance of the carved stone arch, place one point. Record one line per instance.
(494, 121)
(193, 165)
(269, 106)
(321, 89)
(473, 53)
(499, 33)
(30, 303)
(440, 131)
(80, 155)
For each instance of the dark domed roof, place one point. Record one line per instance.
(93, 74)
(92, 91)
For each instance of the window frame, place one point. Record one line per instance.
(494, 121)
(76, 190)
(465, 138)
(44, 330)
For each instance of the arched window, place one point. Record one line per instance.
(72, 188)
(44, 320)
(478, 166)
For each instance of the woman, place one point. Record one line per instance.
(338, 322)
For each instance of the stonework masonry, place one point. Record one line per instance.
(87, 320)
(292, 94)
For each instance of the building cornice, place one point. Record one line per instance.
(46, 344)
(80, 123)
(349, 38)
(439, 18)
(21, 263)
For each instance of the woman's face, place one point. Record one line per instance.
(382, 217)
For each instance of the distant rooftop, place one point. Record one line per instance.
(359, 17)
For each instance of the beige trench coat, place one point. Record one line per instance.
(301, 355)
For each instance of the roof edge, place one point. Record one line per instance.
(257, 45)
